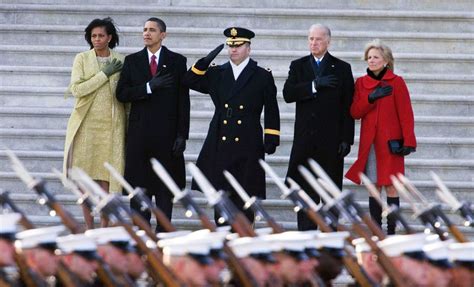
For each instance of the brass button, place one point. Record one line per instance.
(241, 107)
(239, 122)
(226, 106)
(236, 139)
(224, 138)
(225, 122)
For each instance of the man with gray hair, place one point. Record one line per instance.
(322, 87)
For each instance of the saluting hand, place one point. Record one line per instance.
(203, 63)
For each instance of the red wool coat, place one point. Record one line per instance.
(386, 119)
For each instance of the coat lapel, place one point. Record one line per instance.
(243, 78)
(144, 65)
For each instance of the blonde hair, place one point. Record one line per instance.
(384, 49)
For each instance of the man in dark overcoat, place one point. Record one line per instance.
(158, 124)
(240, 91)
(322, 87)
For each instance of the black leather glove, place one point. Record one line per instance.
(270, 148)
(379, 93)
(203, 63)
(406, 150)
(329, 81)
(113, 67)
(344, 149)
(161, 81)
(179, 146)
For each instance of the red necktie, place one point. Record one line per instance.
(153, 65)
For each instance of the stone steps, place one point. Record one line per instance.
(458, 5)
(53, 97)
(416, 168)
(417, 82)
(53, 140)
(57, 56)
(428, 21)
(56, 118)
(281, 39)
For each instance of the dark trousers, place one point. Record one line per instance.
(163, 201)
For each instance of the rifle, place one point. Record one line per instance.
(112, 207)
(385, 262)
(243, 275)
(464, 208)
(426, 216)
(387, 210)
(46, 197)
(349, 203)
(67, 278)
(253, 203)
(105, 274)
(139, 196)
(6, 201)
(435, 209)
(221, 202)
(304, 203)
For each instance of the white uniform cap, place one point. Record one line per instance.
(8, 222)
(109, 234)
(245, 246)
(37, 237)
(437, 250)
(216, 239)
(361, 245)
(461, 251)
(148, 241)
(183, 245)
(333, 239)
(289, 240)
(76, 242)
(172, 234)
(264, 231)
(400, 244)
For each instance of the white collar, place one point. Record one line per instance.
(157, 55)
(237, 69)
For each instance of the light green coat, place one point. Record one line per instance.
(87, 82)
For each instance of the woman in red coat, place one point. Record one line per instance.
(382, 102)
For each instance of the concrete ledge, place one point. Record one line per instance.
(461, 78)
(130, 9)
(203, 31)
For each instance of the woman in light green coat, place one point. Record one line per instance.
(96, 128)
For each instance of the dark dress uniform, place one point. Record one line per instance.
(322, 121)
(235, 140)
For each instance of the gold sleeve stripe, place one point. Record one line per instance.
(272, 132)
(197, 72)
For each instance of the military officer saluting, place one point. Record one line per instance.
(240, 91)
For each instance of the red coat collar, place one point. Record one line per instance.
(370, 83)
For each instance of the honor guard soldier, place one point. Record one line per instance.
(38, 247)
(240, 90)
(8, 230)
(462, 257)
(79, 254)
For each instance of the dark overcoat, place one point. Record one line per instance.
(155, 120)
(235, 138)
(322, 120)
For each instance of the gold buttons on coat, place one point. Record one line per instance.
(241, 107)
(224, 138)
(225, 122)
(226, 106)
(236, 139)
(239, 122)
